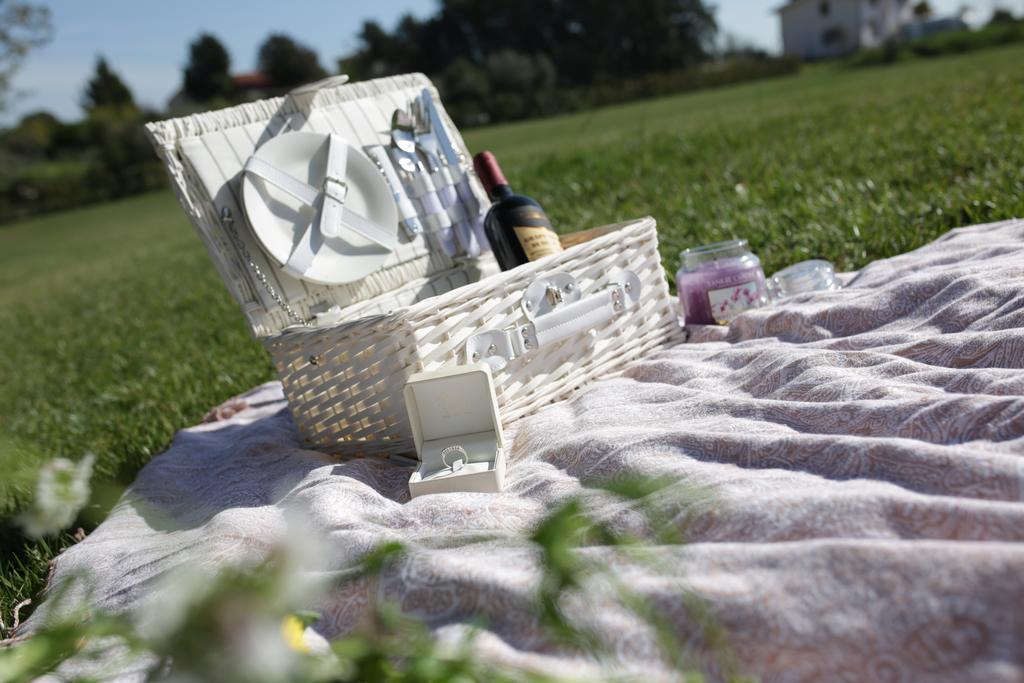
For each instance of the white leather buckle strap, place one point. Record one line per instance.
(556, 311)
(335, 191)
(305, 193)
(332, 216)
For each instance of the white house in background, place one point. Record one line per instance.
(816, 29)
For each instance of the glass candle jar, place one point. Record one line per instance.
(716, 282)
(807, 276)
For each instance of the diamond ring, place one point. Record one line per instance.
(455, 465)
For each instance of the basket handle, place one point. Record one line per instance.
(560, 313)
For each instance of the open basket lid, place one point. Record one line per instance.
(206, 154)
(319, 207)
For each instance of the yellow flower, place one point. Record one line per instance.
(292, 630)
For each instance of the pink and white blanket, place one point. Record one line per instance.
(864, 447)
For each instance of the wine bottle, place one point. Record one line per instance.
(516, 226)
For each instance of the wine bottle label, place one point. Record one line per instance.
(533, 229)
(537, 241)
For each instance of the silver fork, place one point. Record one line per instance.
(406, 152)
(429, 150)
(470, 207)
(445, 177)
(419, 116)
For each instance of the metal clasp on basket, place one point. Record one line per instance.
(555, 309)
(547, 292)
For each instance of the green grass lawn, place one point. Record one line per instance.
(116, 330)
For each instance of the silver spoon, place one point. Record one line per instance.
(403, 146)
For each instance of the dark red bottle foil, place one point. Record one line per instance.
(489, 172)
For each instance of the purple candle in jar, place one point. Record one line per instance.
(716, 282)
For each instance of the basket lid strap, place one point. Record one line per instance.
(305, 193)
(335, 188)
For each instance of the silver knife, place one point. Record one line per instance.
(448, 148)
(474, 208)
(406, 211)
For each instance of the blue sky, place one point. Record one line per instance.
(146, 42)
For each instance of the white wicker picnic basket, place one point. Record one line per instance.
(546, 328)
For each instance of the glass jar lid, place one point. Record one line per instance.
(806, 276)
(696, 256)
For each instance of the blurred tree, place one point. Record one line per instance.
(122, 160)
(584, 41)
(106, 90)
(207, 74)
(23, 26)
(922, 10)
(287, 63)
(33, 137)
(511, 70)
(1001, 15)
(384, 52)
(71, 138)
(465, 88)
(463, 80)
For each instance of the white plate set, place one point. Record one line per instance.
(329, 212)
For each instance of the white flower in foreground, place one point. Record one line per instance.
(267, 652)
(161, 617)
(61, 491)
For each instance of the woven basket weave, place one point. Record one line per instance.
(344, 382)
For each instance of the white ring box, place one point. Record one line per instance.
(455, 406)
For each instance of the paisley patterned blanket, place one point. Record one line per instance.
(864, 449)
